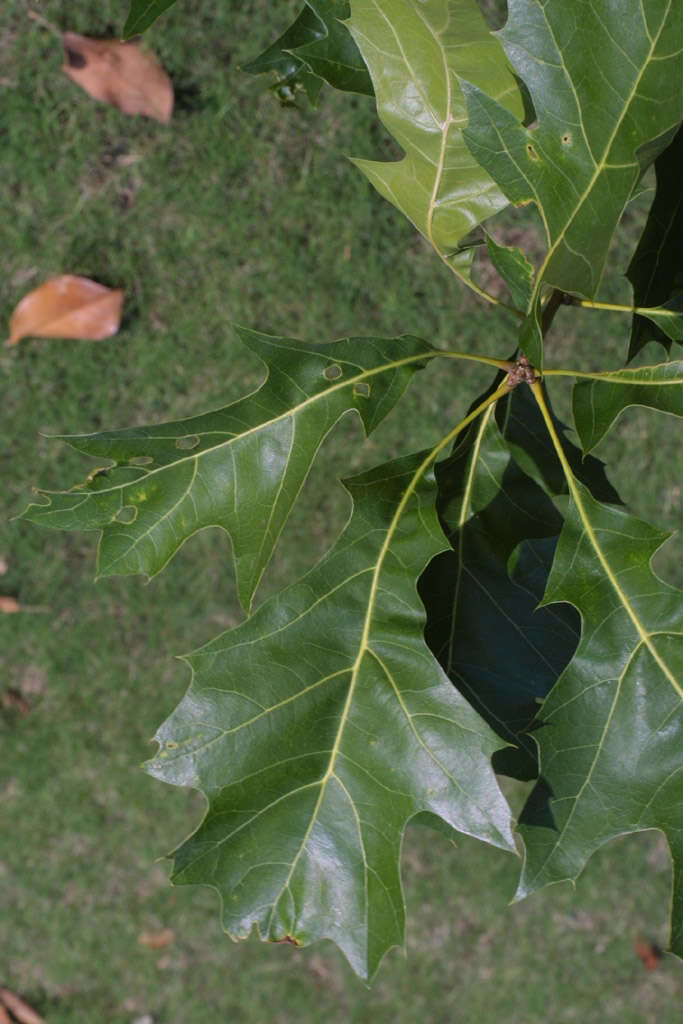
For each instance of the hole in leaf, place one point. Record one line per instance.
(362, 389)
(332, 372)
(171, 745)
(185, 443)
(127, 514)
(140, 460)
(566, 138)
(532, 152)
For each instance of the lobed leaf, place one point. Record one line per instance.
(320, 726)
(280, 57)
(612, 727)
(240, 468)
(333, 55)
(605, 80)
(500, 650)
(598, 402)
(656, 270)
(316, 48)
(142, 14)
(416, 52)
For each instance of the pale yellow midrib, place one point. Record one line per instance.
(600, 166)
(642, 632)
(464, 512)
(363, 646)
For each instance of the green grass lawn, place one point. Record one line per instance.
(239, 211)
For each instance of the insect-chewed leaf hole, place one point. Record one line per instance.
(362, 389)
(567, 138)
(140, 460)
(185, 443)
(332, 372)
(532, 152)
(127, 514)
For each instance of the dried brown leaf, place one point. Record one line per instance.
(649, 953)
(9, 605)
(67, 307)
(156, 940)
(24, 1013)
(121, 74)
(12, 700)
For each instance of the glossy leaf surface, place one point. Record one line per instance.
(416, 52)
(333, 55)
(605, 80)
(527, 438)
(280, 58)
(319, 727)
(612, 727)
(669, 320)
(240, 468)
(656, 270)
(599, 402)
(515, 269)
(317, 45)
(501, 651)
(142, 14)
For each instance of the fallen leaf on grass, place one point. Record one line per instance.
(67, 307)
(9, 605)
(21, 1010)
(121, 74)
(649, 953)
(12, 700)
(156, 940)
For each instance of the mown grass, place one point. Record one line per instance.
(239, 211)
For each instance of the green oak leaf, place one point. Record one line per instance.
(656, 270)
(669, 319)
(599, 401)
(516, 271)
(320, 726)
(530, 337)
(334, 55)
(416, 51)
(605, 80)
(142, 14)
(316, 48)
(240, 468)
(500, 650)
(290, 70)
(611, 735)
(526, 436)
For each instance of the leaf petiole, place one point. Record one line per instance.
(615, 307)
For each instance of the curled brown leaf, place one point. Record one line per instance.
(156, 940)
(121, 74)
(24, 1013)
(67, 307)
